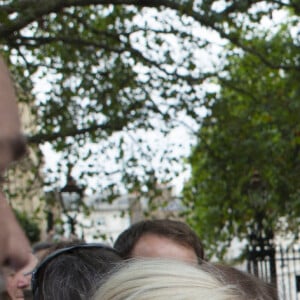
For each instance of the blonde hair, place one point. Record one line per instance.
(160, 279)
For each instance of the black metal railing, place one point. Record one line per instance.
(278, 265)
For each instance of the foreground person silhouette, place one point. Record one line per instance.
(14, 246)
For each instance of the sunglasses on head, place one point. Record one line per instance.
(53, 255)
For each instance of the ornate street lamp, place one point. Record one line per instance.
(261, 250)
(71, 198)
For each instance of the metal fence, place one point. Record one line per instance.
(278, 265)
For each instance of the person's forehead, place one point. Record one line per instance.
(157, 241)
(156, 238)
(154, 245)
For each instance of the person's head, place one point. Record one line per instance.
(160, 238)
(41, 249)
(14, 246)
(18, 283)
(249, 284)
(162, 279)
(73, 272)
(12, 143)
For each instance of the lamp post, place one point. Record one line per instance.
(71, 198)
(261, 249)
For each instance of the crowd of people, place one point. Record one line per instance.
(153, 259)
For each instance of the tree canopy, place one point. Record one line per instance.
(109, 69)
(245, 166)
(115, 70)
(30, 227)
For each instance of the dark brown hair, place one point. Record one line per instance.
(171, 229)
(250, 286)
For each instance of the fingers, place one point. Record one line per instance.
(15, 249)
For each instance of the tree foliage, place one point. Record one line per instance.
(108, 72)
(246, 163)
(115, 70)
(30, 226)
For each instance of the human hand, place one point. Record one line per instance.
(14, 247)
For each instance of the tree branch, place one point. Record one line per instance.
(30, 11)
(49, 137)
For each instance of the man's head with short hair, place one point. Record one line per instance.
(41, 249)
(72, 270)
(160, 238)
